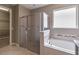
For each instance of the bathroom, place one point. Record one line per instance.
(29, 23)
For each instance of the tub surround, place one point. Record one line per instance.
(66, 37)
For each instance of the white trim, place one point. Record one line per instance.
(10, 11)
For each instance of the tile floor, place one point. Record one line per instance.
(13, 50)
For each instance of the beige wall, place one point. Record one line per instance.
(23, 11)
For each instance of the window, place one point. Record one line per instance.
(45, 21)
(65, 18)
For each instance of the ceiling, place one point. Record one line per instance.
(33, 6)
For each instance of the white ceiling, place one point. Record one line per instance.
(33, 6)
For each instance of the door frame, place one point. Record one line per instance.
(11, 28)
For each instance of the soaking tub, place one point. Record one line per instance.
(59, 42)
(67, 46)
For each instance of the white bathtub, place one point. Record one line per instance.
(61, 45)
(65, 44)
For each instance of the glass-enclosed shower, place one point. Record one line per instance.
(4, 27)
